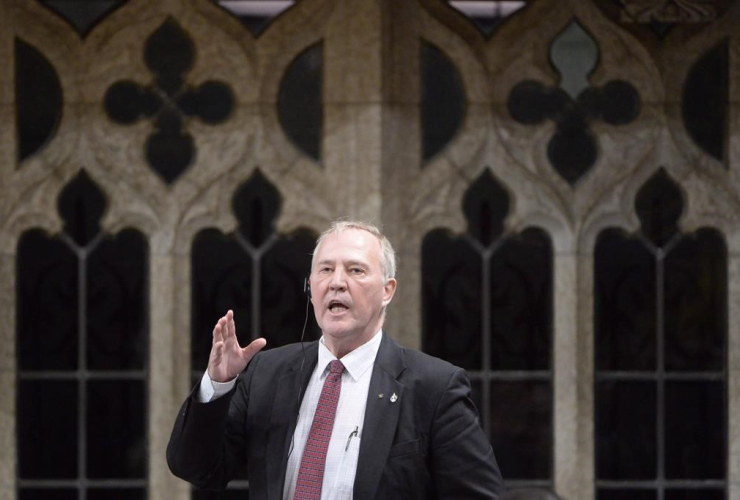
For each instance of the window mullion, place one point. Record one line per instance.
(660, 360)
(82, 255)
(486, 327)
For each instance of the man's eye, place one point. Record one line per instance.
(356, 270)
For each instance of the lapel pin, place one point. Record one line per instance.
(380, 396)
(394, 398)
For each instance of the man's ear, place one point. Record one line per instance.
(389, 289)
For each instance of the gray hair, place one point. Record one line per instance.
(387, 254)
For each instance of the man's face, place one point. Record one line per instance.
(347, 289)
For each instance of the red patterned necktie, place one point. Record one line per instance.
(311, 472)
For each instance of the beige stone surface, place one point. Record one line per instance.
(352, 53)
(567, 364)
(169, 377)
(351, 156)
(7, 375)
(733, 373)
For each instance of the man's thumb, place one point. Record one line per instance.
(253, 348)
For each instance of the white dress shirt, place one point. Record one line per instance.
(344, 446)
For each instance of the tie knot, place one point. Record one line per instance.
(336, 366)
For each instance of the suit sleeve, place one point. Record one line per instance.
(463, 465)
(209, 440)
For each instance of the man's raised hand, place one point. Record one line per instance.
(228, 359)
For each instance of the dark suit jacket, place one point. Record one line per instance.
(427, 444)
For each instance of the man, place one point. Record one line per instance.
(352, 416)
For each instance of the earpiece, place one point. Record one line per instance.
(307, 287)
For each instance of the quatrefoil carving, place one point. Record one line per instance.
(573, 104)
(169, 101)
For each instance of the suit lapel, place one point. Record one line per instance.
(285, 406)
(381, 419)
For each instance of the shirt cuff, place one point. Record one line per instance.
(210, 389)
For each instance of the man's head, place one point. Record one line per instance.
(352, 281)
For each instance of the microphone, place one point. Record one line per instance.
(307, 291)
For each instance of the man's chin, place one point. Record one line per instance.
(337, 331)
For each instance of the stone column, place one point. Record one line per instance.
(573, 376)
(7, 375)
(401, 161)
(169, 367)
(733, 276)
(733, 373)
(573, 419)
(353, 109)
(7, 264)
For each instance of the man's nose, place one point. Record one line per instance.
(338, 280)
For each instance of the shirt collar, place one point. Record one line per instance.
(357, 362)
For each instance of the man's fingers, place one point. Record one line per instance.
(253, 348)
(218, 351)
(230, 323)
(217, 336)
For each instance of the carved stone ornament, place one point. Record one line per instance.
(668, 11)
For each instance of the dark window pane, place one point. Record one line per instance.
(521, 303)
(659, 204)
(212, 102)
(617, 102)
(284, 268)
(530, 102)
(220, 495)
(625, 494)
(222, 277)
(170, 149)
(300, 101)
(697, 494)
(695, 430)
(451, 300)
(625, 303)
(442, 100)
(47, 328)
(126, 101)
(47, 429)
(705, 105)
(485, 206)
(169, 53)
(117, 494)
(573, 149)
(46, 494)
(81, 205)
(38, 97)
(521, 430)
(625, 430)
(116, 441)
(696, 303)
(83, 15)
(256, 205)
(116, 302)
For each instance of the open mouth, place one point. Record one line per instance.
(336, 307)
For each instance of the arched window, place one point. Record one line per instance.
(661, 328)
(487, 307)
(82, 335)
(259, 274)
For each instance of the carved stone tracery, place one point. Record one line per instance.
(668, 11)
